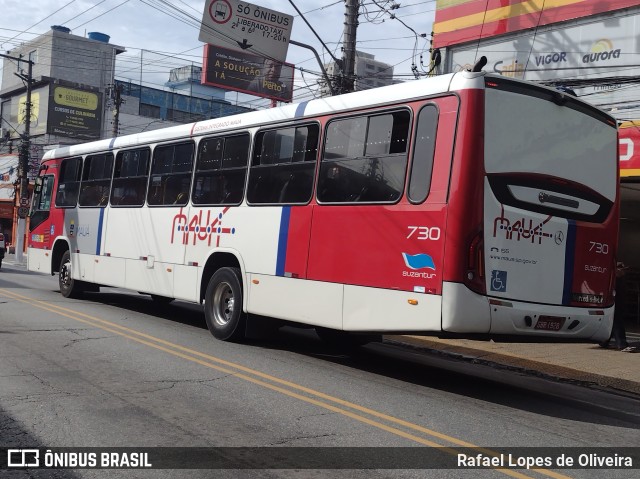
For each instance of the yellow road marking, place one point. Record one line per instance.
(179, 351)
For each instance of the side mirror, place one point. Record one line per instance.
(38, 185)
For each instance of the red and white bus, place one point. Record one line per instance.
(459, 204)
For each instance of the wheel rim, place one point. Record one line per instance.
(223, 304)
(65, 274)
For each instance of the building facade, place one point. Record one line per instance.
(590, 46)
(369, 72)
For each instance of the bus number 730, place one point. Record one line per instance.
(424, 232)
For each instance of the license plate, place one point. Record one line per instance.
(550, 323)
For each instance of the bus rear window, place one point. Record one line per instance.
(526, 135)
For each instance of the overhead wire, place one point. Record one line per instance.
(163, 5)
(102, 14)
(40, 21)
(121, 59)
(83, 12)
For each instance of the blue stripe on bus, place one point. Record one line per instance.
(569, 258)
(100, 222)
(282, 240)
(113, 140)
(300, 109)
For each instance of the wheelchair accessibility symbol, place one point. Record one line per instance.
(498, 280)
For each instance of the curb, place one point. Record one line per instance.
(521, 365)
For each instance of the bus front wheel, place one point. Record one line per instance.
(69, 287)
(223, 305)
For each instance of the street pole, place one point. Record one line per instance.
(322, 69)
(117, 101)
(23, 161)
(333, 88)
(25, 151)
(349, 54)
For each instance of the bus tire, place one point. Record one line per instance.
(69, 287)
(223, 305)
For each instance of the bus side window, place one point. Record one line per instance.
(171, 174)
(365, 159)
(96, 180)
(221, 170)
(423, 153)
(69, 182)
(130, 175)
(283, 166)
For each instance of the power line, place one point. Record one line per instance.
(102, 14)
(174, 11)
(82, 13)
(39, 22)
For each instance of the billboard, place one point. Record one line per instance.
(630, 149)
(591, 47)
(593, 56)
(8, 176)
(6, 210)
(247, 73)
(38, 125)
(462, 21)
(74, 112)
(242, 26)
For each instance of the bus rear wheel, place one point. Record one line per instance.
(69, 287)
(223, 305)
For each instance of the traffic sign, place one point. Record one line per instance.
(23, 211)
(246, 27)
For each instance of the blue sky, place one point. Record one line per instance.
(163, 31)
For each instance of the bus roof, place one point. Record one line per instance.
(350, 101)
(383, 95)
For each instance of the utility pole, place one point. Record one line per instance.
(349, 53)
(23, 162)
(117, 101)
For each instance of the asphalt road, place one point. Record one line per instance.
(115, 369)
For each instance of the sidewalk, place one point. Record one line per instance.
(583, 362)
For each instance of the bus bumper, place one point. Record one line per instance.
(543, 320)
(464, 311)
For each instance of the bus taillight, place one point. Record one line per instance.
(474, 277)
